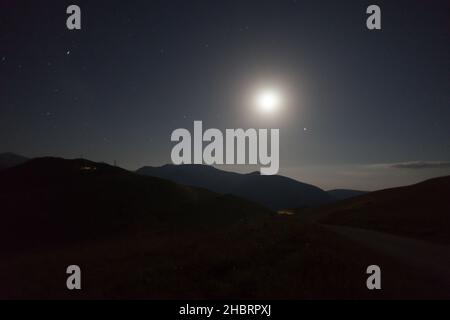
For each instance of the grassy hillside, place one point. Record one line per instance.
(50, 200)
(421, 211)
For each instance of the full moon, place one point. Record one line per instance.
(268, 101)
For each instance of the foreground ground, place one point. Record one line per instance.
(281, 258)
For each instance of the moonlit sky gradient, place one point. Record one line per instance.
(360, 108)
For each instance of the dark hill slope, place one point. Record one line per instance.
(421, 210)
(50, 200)
(342, 194)
(9, 160)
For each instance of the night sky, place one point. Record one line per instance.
(363, 109)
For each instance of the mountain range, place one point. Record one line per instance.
(138, 236)
(274, 192)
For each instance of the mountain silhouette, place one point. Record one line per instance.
(342, 194)
(52, 200)
(421, 211)
(149, 238)
(9, 160)
(274, 192)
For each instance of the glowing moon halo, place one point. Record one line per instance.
(268, 101)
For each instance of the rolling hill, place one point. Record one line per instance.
(51, 200)
(421, 211)
(9, 160)
(149, 238)
(274, 192)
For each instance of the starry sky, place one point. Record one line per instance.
(364, 109)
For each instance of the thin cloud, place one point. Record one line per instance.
(421, 165)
